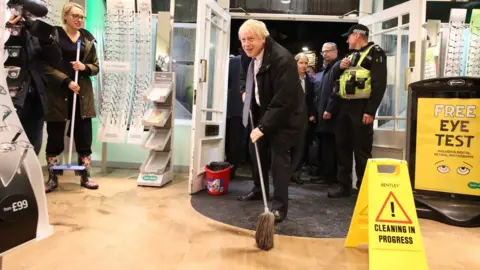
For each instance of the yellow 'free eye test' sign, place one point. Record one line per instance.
(448, 146)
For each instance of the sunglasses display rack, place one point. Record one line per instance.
(157, 169)
(23, 204)
(458, 44)
(430, 65)
(473, 57)
(455, 57)
(118, 81)
(127, 71)
(54, 16)
(144, 70)
(13, 48)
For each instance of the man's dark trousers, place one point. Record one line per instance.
(234, 143)
(327, 158)
(352, 137)
(31, 118)
(275, 154)
(298, 153)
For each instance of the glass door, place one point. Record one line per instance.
(210, 90)
(391, 29)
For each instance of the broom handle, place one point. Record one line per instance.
(74, 109)
(260, 172)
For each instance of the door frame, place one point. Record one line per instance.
(293, 17)
(200, 83)
(395, 139)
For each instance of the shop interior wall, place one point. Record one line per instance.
(129, 155)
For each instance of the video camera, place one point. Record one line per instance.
(26, 8)
(30, 10)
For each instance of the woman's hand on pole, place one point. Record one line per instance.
(78, 66)
(74, 87)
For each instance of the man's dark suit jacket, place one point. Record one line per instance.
(234, 98)
(282, 100)
(310, 96)
(324, 91)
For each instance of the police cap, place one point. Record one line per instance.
(358, 28)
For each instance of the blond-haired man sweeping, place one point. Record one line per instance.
(275, 96)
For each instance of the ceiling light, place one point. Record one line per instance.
(285, 1)
(305, 49)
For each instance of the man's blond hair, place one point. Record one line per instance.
(256, 27)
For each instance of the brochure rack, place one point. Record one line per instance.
(157, 169)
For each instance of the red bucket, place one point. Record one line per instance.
(218, 181)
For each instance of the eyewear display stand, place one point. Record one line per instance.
(127, 71)
(460, 44)
(23, 204)
(157, 169)
(453, 47)
(54, 16)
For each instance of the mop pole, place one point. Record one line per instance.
(74, 109)
(69, 165)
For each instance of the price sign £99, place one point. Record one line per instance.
(19, 205)
(14, 207)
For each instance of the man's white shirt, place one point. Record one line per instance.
(256, 68)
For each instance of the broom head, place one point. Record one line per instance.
(265, 231)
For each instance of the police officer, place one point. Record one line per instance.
(358, 94)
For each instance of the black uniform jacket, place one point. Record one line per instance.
(376, 62)
(282, 100)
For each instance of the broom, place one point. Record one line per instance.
(266, 222)
(69, 166)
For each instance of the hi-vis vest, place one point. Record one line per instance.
(363, 89)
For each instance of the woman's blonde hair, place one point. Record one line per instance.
(66, 9)
(256, 27)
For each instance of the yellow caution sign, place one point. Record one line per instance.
(385, 218)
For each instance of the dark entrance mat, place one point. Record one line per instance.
(311, 213)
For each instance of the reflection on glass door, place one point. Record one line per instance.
(390, 30)
(388, 42)
(211, 68)
(210, 90)
(402, 98)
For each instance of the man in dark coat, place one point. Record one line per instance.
(325, 127)
(235, 130)
(275, 97)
